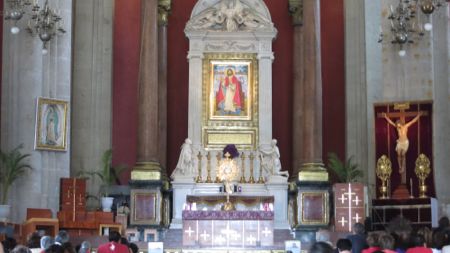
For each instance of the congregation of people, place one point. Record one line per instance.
(399, 237)
(61, 244)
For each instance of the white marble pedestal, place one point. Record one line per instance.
(277, 189)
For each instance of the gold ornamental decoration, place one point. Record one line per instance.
(384, 171)
(422, 171)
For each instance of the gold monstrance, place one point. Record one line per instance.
(384, 170)
(228, 172)
(422, 171)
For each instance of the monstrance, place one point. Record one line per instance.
(228, 172)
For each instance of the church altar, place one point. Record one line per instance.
(230, 102)
(228, 228)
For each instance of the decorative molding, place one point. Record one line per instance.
(164, 9)
(230, 16)
(296, 11)
(230, 46)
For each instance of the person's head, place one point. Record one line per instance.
(321, 247)
(68, 248)
(439, 240)
(114, 236)
(417, 240)
(34, 241)
(46, 242)
(55, 248)
(62, 237)
(398, 123)
(21, 249)
(359, 229)
(134, 248)
(230, 72)
(444, 222)
(85, 247)
(9, 244)
(427, 234)
(373, 240)
(344, 245)
(387, 242)
(124, 241)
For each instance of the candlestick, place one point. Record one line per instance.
(242, 181)
(261, 178)
(251, 180)
(411, 187)
(217, 168)
(208, 168)
(199, 176)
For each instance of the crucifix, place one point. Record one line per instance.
(402, 131)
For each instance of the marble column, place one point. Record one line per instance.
(163, 10)
(296, 11)
(147, 162)
(309, 92)
(92, 89)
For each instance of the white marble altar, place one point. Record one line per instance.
(234, 27)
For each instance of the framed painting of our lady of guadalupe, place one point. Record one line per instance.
(51, 124)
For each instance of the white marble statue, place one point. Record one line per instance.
(270, 159)
(229, 15)
(185, 165)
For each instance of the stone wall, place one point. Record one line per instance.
(27, 75)
(377, 74)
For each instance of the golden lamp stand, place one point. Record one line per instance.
(422, 171)
(384, 171)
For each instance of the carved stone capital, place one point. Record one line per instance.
(296, 11)
(164, 9)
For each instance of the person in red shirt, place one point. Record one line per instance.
(418, 245)
(113, 246)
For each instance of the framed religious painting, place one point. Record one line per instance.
(230, 106)
(51, 124)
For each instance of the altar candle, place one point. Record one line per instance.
(411, 186)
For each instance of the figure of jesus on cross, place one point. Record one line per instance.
(402, 130)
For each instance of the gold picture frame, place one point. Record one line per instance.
(230, 100)
(104, 229)
(51, 124)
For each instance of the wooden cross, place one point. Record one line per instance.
(401, 114)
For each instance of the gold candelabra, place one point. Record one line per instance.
(199, 176)
(384, 171)
(208, 168)
(422, 171)
(217, 181)
(251, 180)
(242, 181)
(261, 178)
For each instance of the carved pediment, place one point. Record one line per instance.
(231, 16)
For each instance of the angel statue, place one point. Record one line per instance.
(270, 159)
(185, 165)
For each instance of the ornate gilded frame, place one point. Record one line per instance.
(241, 129)
(145, 207)
(56, 111)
